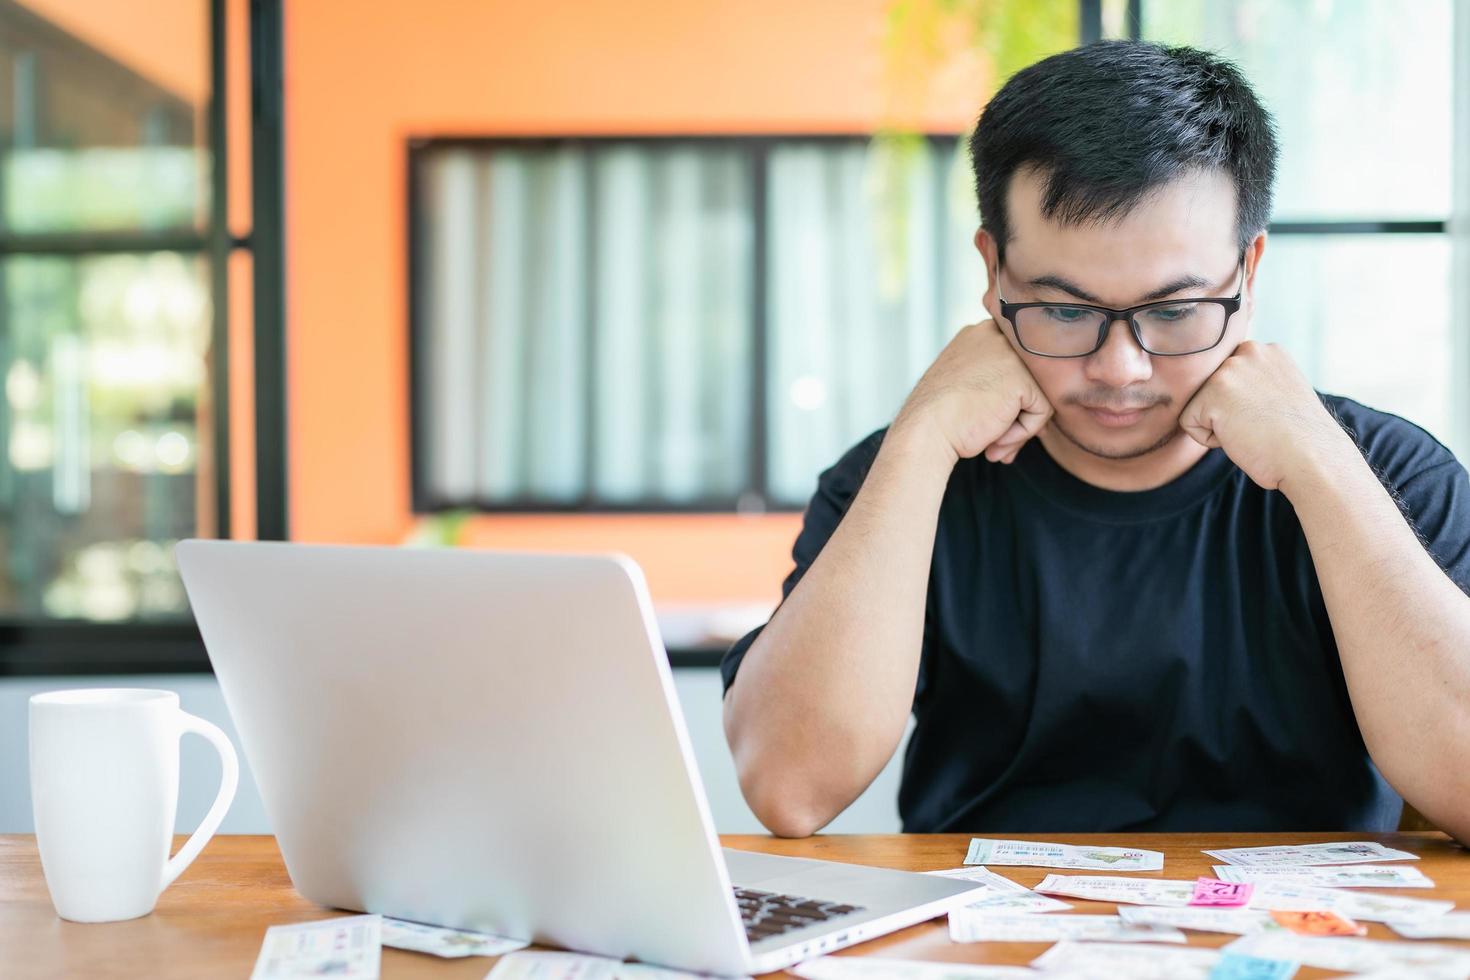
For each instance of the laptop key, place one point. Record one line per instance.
(767, 914)
(765, 929)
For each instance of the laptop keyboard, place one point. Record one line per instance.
(768, 914)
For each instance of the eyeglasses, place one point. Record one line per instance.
(1169, 328)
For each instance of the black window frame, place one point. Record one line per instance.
(757, 497)
(40, 647)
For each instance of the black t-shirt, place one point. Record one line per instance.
(1161, 660)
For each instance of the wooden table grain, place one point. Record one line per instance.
(210, 923)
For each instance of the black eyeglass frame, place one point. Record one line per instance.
(1231, 305)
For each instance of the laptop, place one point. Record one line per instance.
(491, 741)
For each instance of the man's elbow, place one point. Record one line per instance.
(781, 794)
(782, 812)
(782, 797)
(1447, 814)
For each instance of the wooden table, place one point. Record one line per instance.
(211, 921)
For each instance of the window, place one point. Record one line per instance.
(625, 324)
(105, 342)
(867, 285)
(1364, 194)
(588, 320)
(113, 361)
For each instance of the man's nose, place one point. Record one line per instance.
(1120, 361)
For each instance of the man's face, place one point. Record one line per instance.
(1121, 402)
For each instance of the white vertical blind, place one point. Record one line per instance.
(500, 365)
(557, 391)
(679, 327)
(587, 324)
(552, 381)
(620, 296)
(802, 310)
(849, 336)
(455, 249)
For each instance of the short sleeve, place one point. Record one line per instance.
(836, 489)
(1436, 502)
(1424, 478)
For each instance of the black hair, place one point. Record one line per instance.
(1106, 123)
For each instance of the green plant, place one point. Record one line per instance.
(979, 42)
(442, 529)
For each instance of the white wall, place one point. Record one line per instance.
(699, 695)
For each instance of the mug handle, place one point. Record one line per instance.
(229, 779)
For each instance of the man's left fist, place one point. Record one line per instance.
(1259, 408)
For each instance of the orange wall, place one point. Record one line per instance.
(364, 77)
(165, 41)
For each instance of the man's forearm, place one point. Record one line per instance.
(1402, 629)
(824, 693)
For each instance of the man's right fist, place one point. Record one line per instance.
(977, 396)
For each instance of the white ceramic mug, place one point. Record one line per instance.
(105, 791)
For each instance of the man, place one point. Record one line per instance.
(1125, 568)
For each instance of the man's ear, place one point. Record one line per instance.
(1253, 263)
(1253, 253)
(985, 244)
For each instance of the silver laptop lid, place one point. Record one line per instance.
(477, 739)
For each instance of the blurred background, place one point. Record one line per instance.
(583, 275)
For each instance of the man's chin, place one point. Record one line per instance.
(1117, 444)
